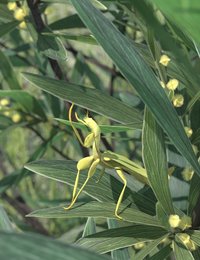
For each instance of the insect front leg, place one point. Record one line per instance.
(91, 172)
(121, 175)
(83, 164)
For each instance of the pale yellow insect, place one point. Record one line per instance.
(106, 159)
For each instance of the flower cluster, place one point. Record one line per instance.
(19, 14)
(6, 110)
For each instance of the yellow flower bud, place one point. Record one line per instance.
(188, 131)
(19, 14)
(187, 174)
(162, 84)
(191, 245)
(139, 245)
(4, 102)
(185, 238)
(22, 25)
(174, 221)
(6, 113)
(164, 60)
(12, 6)
(185, 222)
(178, 100)
(85, 163)
(16, 117)
(172, 84)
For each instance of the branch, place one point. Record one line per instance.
(19, 205)
(40, 26)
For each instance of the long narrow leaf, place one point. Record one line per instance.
(113, 239)
(131, 64)
(97, 209)
(154, 154)
(162, 253)
(5, 224)
(8, 72)
(7, 27)
(119, 254)
(195, 236)
(149, 248)
(30, 246)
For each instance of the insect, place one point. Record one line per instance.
(106, 159)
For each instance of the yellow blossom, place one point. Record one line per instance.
(19, 14)
(172, 84)
(174, 221)
(164, 60)
(12, 6)
(185, 238)
(191, 245)
(6, 113)
(188, 131)
(139, 245)
(187, 174)
(16, 117)
(4, 102)
(22, 25)
(178, 100)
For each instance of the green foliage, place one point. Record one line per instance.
(104, 57)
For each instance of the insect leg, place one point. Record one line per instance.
(75, 130)
(91, 171)
(121, 175)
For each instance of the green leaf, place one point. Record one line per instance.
(149, 248)
(7, 27)
(89, 39)
(5, 224)
(163, 253)
(180, 251)
(89, 98)
(47, 45)
(126, 57)
(97, 209)
(25, 100)
(51, 47)
(90, 227)
(5, 14)
(72, 21)
(195, 236)
(194, 195)
(107, 190)
(154, 155)
(30, 246)
(192, 102)
(8, 72)
(119, 254)
(113, 239)
(185, 13)
(196, 254)
(105, 129)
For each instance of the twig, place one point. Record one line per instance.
(40, 26)
(20, 206)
